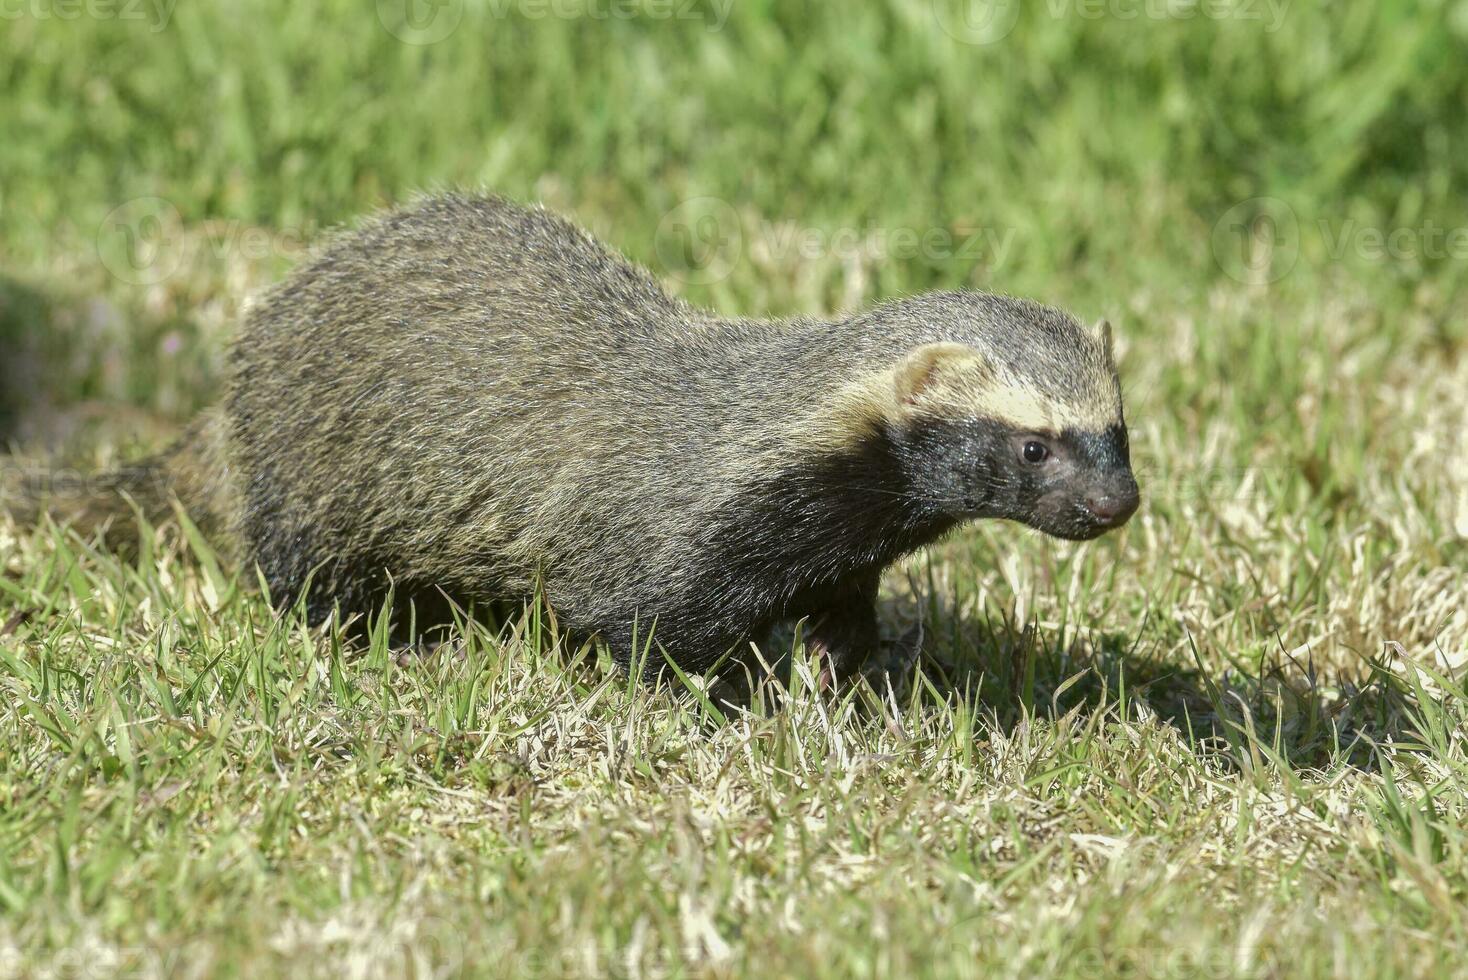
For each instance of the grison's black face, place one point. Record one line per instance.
(1074, 485)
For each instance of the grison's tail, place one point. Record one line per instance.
(193, 472)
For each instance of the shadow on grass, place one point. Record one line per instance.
(1287, 713)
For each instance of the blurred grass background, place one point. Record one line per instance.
(1269, 201)
(1108, 143)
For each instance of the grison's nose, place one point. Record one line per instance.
(1114, 506)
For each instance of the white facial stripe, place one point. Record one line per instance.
(1022, 409)
(854, 410)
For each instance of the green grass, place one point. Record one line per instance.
(1227, 741)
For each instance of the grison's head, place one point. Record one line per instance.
(1023, 422)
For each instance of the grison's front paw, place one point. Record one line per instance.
(894, 662)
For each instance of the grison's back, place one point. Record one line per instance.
(471, 382)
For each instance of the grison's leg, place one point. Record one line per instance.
(844, 632)
(842, 628)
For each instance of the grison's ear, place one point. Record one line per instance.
(934, 370)
(1102, 331)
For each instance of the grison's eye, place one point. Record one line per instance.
(1036, 452)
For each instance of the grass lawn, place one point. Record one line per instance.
(1229, 740)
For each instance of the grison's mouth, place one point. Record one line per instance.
(1086, 519)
